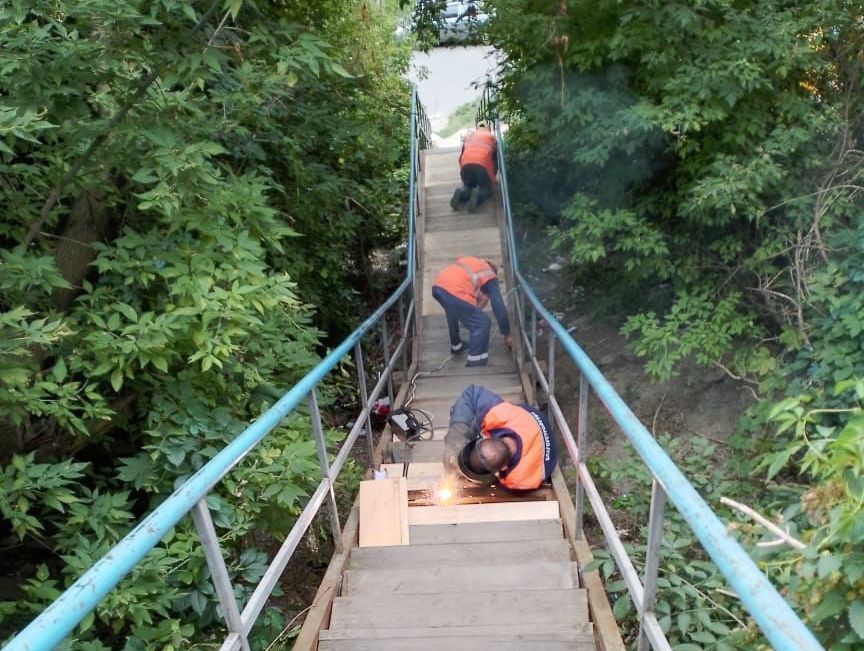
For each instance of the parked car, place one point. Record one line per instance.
(459, 22)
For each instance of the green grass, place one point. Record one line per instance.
(461, 118)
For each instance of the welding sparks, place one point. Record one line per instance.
(446, 491)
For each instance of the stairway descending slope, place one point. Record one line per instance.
(498, 585)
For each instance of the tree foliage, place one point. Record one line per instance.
(705, 156)
(191, 192)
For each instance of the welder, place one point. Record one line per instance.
(490, 439)
(463, 289)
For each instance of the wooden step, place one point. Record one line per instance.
(481, 532)
(507, 637)
(530, 506)
(558, 632)
(460, 609)
(459, 554)
(433, 387)
(491, 642)
(478, 578)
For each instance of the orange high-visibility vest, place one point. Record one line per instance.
(464, 278)
(529, 471)
(479, 149)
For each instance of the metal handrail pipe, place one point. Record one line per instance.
(772, 613)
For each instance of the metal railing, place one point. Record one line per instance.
(779, 623)
(64, 614)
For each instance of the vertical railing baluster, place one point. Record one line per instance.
(218, 570)
(550, 375)
(364, 399)
(324, 463)
(582, 445)
(403, 336)
(652, 559)
(385, 345)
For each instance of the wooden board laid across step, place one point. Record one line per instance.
(483, 532)
(460, 609)
(383, 506)
(492, 512)
(421, 476)
(462, 555)
(490, 577)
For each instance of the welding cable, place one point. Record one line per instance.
(420, 374)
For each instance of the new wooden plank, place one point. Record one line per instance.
(383, 507)
(480, 532)
(490, 643)
(528, 510)
(478, 578)
(561, 631)
(460, 609)
(461, 554)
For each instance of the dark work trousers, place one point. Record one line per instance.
(473, 318)
(475, 176)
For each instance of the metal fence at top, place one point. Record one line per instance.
(64, 614)
(779, 623)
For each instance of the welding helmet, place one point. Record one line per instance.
(468, 470)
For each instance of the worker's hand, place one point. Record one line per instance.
(508, 341)
(482, 300)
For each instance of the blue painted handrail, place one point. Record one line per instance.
(779, 623)
(67, 611)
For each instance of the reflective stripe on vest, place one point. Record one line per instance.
(529, 471)
(464, 278)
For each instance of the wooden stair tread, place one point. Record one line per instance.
(459, 554)
(559, 631)
(491, 577)
(460, 609)
(481, 532)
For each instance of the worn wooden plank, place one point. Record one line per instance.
(435, 387)
(560, 631)
(467, 554)
(495, 642)
(460, 609)
(606, 631)
(493, 512)
(383, 507)
(478, 578)
(481, 532)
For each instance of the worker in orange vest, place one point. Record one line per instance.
(489, 438)
(463, 289)
(478, 167)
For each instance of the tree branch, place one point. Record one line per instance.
(143, 84)
(765, 522)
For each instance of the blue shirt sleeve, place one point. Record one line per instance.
(493, 290)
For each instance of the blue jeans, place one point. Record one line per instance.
(472, 317)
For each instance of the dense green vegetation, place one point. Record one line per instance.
(701, 160)
(190, 192)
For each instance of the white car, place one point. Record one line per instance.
(460, 20)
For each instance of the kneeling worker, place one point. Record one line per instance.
(463, 289)
(488, 436)
(478, 167)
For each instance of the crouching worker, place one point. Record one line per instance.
(463, 289)
(490, 438)
(478, 167)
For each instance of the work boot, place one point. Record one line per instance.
(477, 362)
(458, 349)
(474, 200)
(456, 200)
